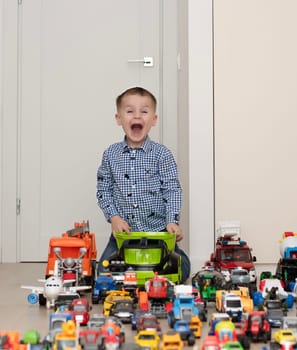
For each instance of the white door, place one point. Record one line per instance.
(74, 61)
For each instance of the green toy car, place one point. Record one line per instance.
(208, 281)
(147, 253)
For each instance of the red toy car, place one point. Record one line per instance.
(148, 322)
(210, 342)
(90, 338)
(159, 294)
(257, 327)
(80, 310)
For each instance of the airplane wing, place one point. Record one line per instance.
(41, 280)
(68, 283)
(78, 288)
(34, 289)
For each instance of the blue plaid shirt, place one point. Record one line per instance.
(140, 185)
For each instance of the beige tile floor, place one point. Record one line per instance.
(17, 314)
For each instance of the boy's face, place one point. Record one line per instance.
(136, 115)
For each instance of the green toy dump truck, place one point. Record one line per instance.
(147, 253)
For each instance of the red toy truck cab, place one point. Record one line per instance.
(80, 311)
(73, 255)
(148, 322)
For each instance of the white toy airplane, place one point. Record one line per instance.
(53, 287)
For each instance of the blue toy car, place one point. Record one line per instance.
(103, 284)
(183, 328)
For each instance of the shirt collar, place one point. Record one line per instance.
(146, 146)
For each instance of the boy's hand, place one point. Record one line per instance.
(119, 225)
(174, 228)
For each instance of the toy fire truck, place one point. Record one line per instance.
(232, 253)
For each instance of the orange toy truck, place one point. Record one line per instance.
(73, 255)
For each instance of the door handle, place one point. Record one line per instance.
(147, 61)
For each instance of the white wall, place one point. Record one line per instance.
(255, 91)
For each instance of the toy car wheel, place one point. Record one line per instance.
(87, 281)
(203, 316)
(123, 337)
(265, 338)
(170, 319)
(246, 343)
(274, 345)
(191, 340)
(94, 268)
(252, 288)
(42, 300)
(95, 300)
(47, 345)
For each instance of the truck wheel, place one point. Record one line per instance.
(94, 272)
(202, 316)
(265, 338)
(42, 299)
(191, 340)
(252, 288)
(274, 345)
(246, 343)
(95, 300)
(122, 337)
(170, 319)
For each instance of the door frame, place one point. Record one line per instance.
(9, 137)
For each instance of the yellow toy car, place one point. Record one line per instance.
(285, 336)
(147, 339)
(171, 341)
(111, 297)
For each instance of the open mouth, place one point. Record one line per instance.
(136, 127)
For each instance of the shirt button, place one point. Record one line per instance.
(133, 186)
(135, 206)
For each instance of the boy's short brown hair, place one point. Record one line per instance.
(135, 91)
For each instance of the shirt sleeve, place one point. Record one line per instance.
(170, 186)
(105, 188)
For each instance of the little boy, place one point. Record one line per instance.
(137, 182)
